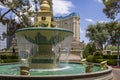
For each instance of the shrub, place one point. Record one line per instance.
(96, 59)
(112, 62)
(110, 56)
(98, 53)
(89, 49)
(99, 60)
(3, 56)
(86, 50)
(90, 58)
(9, 58)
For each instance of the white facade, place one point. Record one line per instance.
(71, 22)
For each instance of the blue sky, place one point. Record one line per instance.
(90, 11)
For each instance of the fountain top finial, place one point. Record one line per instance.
(45, 6)
(45, 16)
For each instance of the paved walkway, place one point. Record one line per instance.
(116, 74)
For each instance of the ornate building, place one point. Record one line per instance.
(72, 22)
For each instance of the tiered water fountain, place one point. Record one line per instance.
(40, 49)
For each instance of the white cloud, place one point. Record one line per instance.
(100, 1)
(89, 20)
(62, 7)
(82, 31)
(2, 6)
(102, 21)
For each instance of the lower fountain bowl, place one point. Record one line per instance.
(74, 71)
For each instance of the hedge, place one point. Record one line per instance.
(111, 59)
(112, 62)
(90, 58)
(8, 58)
(110, 56)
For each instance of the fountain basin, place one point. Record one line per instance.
(43, 45)
(74, 71)
(40, 48)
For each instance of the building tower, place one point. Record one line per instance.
(71, 22)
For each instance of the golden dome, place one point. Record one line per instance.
(45, 5)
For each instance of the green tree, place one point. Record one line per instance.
(93, 48)
(112, 8)
(98, 33)
(86, 50)
(114, 31)
(22, 9)
(89, 49)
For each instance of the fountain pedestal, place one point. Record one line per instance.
(44, 59)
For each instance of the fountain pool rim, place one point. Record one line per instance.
(84, 76)
(44, 28)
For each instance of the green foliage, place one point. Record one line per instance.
(21, 9)
(110, 56)
(112, 62)
(9, 58)
(86, 51)
(98, 33)
(99, 60)
(112, 8)
(114, 31)
(112, 48)
(111, 59)
(90, 58)
(98, 53)
(96, 59)
(93, 48)
(89, 49)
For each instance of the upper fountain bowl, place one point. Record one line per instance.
(43, 35)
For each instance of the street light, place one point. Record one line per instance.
(117, 39)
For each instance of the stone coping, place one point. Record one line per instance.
(44, 28)
(101, 75)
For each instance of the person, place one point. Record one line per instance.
(13, 50)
